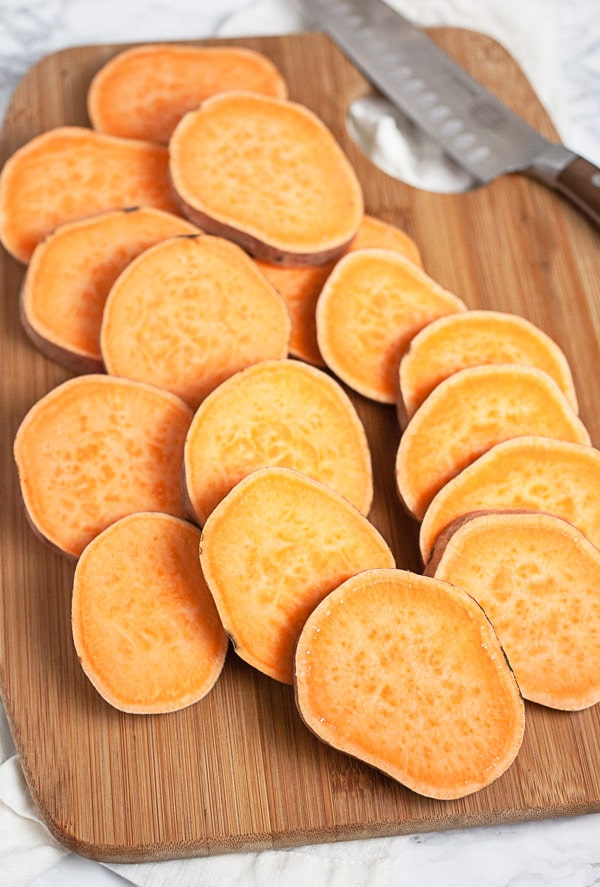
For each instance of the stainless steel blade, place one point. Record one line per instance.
(474, 127)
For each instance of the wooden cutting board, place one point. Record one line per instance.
(238, 770)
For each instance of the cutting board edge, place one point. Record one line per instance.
(167, 850)
(284, 840)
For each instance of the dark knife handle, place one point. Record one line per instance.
(579, 182)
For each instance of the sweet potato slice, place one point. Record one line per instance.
(145, 626)
(71, 172)
(373, 303)
(70, 275)
(374, 232)
(271, 550)
(528, 473)
(95, 449)
(281, 413)
(406, 673)
(268, 174)
(473, 338)
(468, 413)
(538, 580)
(301, 287)
(190, 312)
(143, 92)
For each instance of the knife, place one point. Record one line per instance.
(474, 127)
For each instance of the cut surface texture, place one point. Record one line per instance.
(372, 304)
(301, 287)
(526, 473)
(374, 232)
(145, 626)
(71, 172)
(280, 413)
(473, 338)
(538, 580)
(471, 411)
(71, 273)
(190, 312)
(406, 673)
(271, 550)
(268, 174)
(95, 449)
(143, 92)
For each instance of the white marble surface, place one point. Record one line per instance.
(557, 42)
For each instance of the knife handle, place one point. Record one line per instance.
(579, 182)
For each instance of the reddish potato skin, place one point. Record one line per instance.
(77, 363)
(445, 536)
(257, 248)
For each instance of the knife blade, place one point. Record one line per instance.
(472, 125)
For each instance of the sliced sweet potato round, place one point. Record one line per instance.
(95, 449)
(528, 473)
(468, 413)
(190, 312)
(374, 232)
(143, 92)
(71, 172)
(373, 303)
(538, 580)
(271, 550)
(268, 174)
(406, 673)
(70, 275)
(301, 287)
(145, 626)
(472, 338)
(282, 413)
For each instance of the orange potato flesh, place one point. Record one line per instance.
(374, 232)
(538, 580)
(71, 273)
(301, 287)
(143, 92)
(271, 550)
(188, 314)
(406, 673)
(95, 449)
(268, 174)
(71, 172)
(371, 306)
(281, 413)
(468, 413)
(470, 339)
(528, 473)
(145, 627)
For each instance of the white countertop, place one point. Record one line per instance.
(557, 43)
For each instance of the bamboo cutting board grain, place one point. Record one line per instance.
(238, 770)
